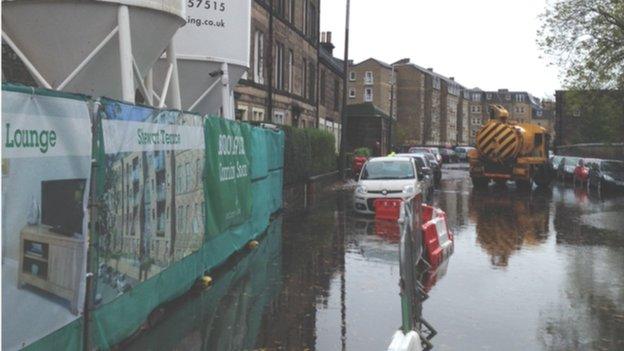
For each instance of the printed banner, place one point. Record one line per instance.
(228, 179)
(152, 195)
(46, 165)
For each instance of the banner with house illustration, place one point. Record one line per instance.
(152, 193)
(228, 174)
(46, 166)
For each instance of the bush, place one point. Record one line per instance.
(362, 151)
(307, 152)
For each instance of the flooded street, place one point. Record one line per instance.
(540, 271)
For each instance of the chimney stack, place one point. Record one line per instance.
(326, 42)
(430, 69)
(452, 78)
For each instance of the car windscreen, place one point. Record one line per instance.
(613, 167)
(388, 170)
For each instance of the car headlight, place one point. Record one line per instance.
(409, 189)
(607, 177)
(360, 189)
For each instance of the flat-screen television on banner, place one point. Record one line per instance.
(62, 205)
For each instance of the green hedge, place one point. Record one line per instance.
(307, 152)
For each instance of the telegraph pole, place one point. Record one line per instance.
(344, 124)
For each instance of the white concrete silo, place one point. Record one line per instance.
(212, 54)
(97, 47)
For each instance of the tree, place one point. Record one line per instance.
(586, 39)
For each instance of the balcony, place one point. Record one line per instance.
(159, 162)
(161, 192)
(135, 175)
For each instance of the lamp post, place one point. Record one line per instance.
(344, 122)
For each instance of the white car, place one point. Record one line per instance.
(385, 177)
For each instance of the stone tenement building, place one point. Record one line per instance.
(522, 107)
(281, 84)
(331, 78)
(372, 81)
(431, 109)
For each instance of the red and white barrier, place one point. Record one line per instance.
(437, 237)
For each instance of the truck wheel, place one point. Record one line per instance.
(543, 177)
(500, 182)
(524, 185)
(480, 182)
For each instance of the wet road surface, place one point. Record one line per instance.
(539, 271)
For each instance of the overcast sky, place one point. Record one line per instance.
(488, 44)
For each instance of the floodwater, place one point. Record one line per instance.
(539, 271)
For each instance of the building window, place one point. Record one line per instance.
(304, 25)
(291, 14)
(312, 82)
(476, 97)
(257, 114)
(305, 79)
(259, 57)
(368, 94)
(352, 76)
(368, 77)
(290, 70)
(508, 97)
(281, 7)
(278, 117)
(489, 96)
(336, 94)
(351, 93)
(522, 109)
(519, 98)
(538, 112)
(279, 66)
(322, 88)
(242, 110)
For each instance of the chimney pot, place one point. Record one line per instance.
(430, 69)
(452, 78)
(328, 36)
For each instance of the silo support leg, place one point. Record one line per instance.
(29, 65)
(173, 99)
(125, 54)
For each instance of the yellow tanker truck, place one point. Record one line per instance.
(507, 150)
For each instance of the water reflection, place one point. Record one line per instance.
(590, 316)
(227, 316)
(506, 220)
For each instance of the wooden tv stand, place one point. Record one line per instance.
(56, 268)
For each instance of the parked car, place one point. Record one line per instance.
(581, 173)
(555, 160)
(434, 165)
(433, 150)
(425, 175)
(606, 175)
(448, 155)
(462, 153)
(385, 177)
(565, 170)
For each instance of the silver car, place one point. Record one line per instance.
(425, 175)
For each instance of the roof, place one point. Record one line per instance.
(431, 73)
(334, 63)
(389, 158)
(500, 96)
(379, 62)
(365, 109)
